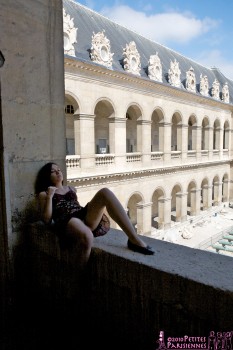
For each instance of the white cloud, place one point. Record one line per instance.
(164, 27)
(215, 58)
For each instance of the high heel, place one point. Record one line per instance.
(143, 250)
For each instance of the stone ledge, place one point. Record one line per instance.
(180, 290)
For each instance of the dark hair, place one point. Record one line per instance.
(43, 178)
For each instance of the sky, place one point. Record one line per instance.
(201, 30)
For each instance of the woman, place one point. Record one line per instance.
(77, 225)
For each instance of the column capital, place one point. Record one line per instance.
(143, 205)
(196, 190)
(163, 200)
(117, 120)
(182, 126)
(144, 122)
(164, 124)
(207, 186)
(82, 116)
(181, 194)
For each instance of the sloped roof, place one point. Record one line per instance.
(88, 22)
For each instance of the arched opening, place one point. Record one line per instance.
(215, 191)
(175, 204)
(192, 133)
(132, 208)
(71, 107)
(157, 131)
(205, 194)
(133, 134)
(191, 199)
(103, 111)
(205, 134)
(216, 135)
(176, 133)
(225, 188)
(157, 217)
(226, 134)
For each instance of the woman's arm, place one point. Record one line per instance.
(45, 204)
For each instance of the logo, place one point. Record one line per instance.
(214, 341)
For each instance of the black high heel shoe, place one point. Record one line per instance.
(143, 250)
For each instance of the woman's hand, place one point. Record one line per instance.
(50, 191)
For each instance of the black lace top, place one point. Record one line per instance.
(65, 206)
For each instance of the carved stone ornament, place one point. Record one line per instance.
(155, 68)
(204, 85)
(101, 50)
(132, 62)
(215, 90)
(69, 34)
(225, 93)
(174, 74)
(191, 80)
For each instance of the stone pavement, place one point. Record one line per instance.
(200, 231)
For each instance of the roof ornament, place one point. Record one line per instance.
(132, 62)
(215, 89)
(155, 68)
(174, 74)
(101, 50)
(69, 34)
(204, 85)
(191, 80)
(225, 93)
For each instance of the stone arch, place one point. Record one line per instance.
(174, 203)
(72, 106)
(103, 112)
(226, 135)
(133, 130)
(157, 211)
(176, 132)
(192, 137)
(216, 134)
(157, 131)
(205, 133)
(131, 206)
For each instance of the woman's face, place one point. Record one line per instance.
(56, 174)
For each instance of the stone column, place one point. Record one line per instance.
(184, 140)
(225, 196)
(195, 202)
(84, 137)
(207, 197)
(210, 141)
(220, 143)
(181, 206)
(166, 141)
(164, 213)
(197, 133)
(117, 140)
(144, 218)
(144, 140)
(217, 193)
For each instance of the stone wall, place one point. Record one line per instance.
(32, 81)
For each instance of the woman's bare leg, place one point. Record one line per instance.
(82, 240)
(105, 198)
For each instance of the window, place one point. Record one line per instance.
(69, 109)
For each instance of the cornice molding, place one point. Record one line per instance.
(140, 174)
